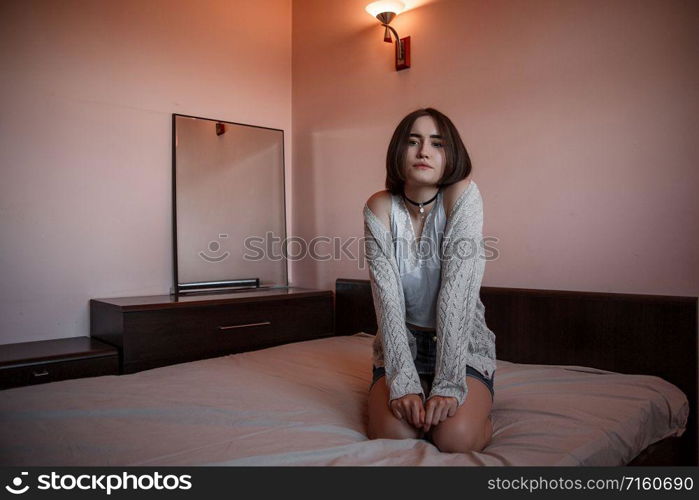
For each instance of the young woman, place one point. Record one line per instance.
(434, 357)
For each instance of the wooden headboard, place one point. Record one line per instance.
(625, 333)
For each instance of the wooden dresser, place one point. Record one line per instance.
(29, 363)
(160, 330)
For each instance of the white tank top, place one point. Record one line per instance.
(419, 264)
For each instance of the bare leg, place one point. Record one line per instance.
(382, 422)
(471, 428)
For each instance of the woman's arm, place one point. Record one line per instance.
(401, 375)
(462, 274)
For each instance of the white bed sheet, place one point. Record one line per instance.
(305, 404)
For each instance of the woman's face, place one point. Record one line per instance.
(424, 156)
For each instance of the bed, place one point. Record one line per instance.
(582, 379)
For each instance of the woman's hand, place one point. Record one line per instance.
(437, 409)
(409, 408)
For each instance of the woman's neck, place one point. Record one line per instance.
(420, 194)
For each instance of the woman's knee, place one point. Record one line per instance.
(392, 429)
(461, 437)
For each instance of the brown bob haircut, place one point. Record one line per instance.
(457, 164)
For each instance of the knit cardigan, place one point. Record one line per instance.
(462, 335)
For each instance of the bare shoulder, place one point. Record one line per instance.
(452, 193)
(380, 204)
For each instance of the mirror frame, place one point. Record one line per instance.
(219, 286)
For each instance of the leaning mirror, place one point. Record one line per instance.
(229, 220)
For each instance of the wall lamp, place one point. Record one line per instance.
(385, 11)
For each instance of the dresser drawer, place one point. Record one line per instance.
(166, 336)
(15, 376)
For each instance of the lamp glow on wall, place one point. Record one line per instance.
(385, 11)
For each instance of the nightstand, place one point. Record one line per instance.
(160, 330)
(29, 363)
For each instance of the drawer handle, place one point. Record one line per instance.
(230, 327)
(41, 374)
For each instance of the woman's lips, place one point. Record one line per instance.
(422, 166)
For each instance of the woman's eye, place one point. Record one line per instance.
(413, 142)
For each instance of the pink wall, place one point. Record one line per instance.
(580, 117)
(88, 88)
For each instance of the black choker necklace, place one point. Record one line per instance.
(421, 205)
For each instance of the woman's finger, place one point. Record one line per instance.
(438, 413)
(415, 411)
(396, 411)
(429, 415)
(452, 410)
(445, 412)
(407, 411)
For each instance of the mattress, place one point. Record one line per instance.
(306, 404)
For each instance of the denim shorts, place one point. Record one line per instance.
(426, 360)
